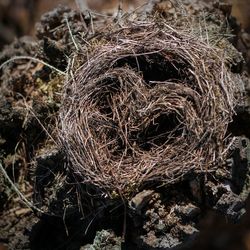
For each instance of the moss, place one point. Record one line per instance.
(49, 90)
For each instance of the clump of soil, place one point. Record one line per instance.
(70, 209)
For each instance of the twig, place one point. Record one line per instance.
(22, 197)
(71, 35)
(15, 58)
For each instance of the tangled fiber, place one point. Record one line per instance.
(149, 104)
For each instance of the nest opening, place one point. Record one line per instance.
(156, 67)
(162, 130)
(110, 87)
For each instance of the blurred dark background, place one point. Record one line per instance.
(17, 17)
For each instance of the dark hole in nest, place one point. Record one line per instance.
(155, 68)
(240, 124)
(164, 129)
(109, 87)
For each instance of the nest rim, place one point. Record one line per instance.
(202, 96)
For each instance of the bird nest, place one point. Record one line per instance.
(148, 104)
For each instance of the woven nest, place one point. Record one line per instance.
(149, 104)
